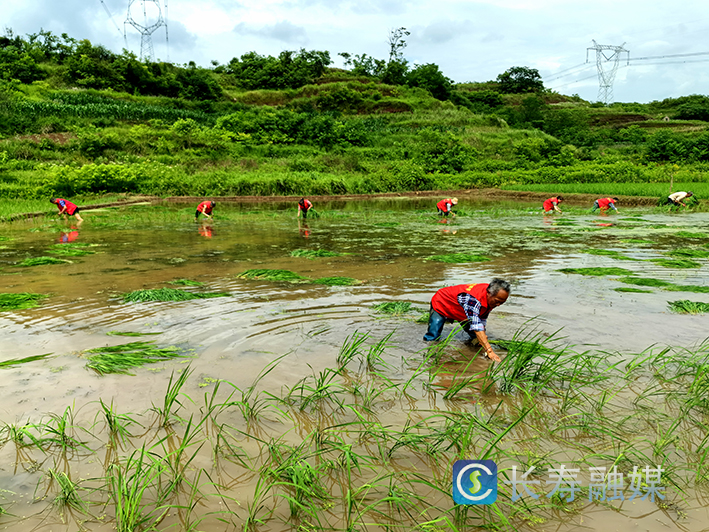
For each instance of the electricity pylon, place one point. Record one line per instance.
(606, 54)
(148, 27)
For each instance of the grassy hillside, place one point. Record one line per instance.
(91, 122)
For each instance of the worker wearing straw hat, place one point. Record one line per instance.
(445, 206)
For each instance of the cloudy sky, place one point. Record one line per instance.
(469, 40)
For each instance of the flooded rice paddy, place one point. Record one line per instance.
(292, 405)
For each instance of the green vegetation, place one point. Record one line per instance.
(313, 253)
(598, 272)
(41, 261)
(186, 282)
(689, 253)
(168, 294)
(272, 275)
(690, 234)
(336, 281)
(125, 357)
(15, 361)
(684, 306)
(608, 253)
(455, 258)
(632, 290)
(665, 285)
(677, 263)
(70, 250)
(19, 301)
(396, 308)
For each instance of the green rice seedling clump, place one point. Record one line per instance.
(168, 294)
(395, 308)
(271, 275)
(41, 261)
(687, 288)
(387, 224)
(123, 358)
(689, 253)
(186, 282)
(456, 258)
(685, 306)
(71, 250)
(632, 290)
(598, 272)
(636, 241)
(15, 361)
(608, 253)
(689, 234)
(313, 253)
(639, 281)
(336, 281)
(677, 263)
(22, 300)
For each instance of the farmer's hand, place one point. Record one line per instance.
(489, 353)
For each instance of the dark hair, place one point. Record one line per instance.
(498, 284)
(690, 193)
(53, 200)
(560, 198)
(302, 202)
(213, 203)
(616, 199)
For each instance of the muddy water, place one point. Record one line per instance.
(384, 244)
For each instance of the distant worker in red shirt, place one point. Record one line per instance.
(445, 206)
(552, 205)
(470, 305)
(304, 206)
(205, 208)
(604, 204)
(67, 207)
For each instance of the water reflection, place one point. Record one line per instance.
(206, 230)
(65, 237)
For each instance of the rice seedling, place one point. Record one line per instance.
(20, 301)
(336, 281)
(186, 282)
(41, 261)
(22, 435)
(123, 358)
(395, 308)
(15, 361)
(598, 272)
(69, 250)
(632, 290)
(690, 234)
(129, 333)
(177, 458)
(373, 357)
(313, 253)
(272, 275)
(168, 294)
(171, 398)
(458, 258)
(387, 224)
(129, 485)
(686, 288)
(645, 281)
(684, 306)
(607, 253)
(677, 263)
(351, 348)
(636, 241)
(68, 495)
(60, 431)
(253, 403)
(693, 253)
(117, 424)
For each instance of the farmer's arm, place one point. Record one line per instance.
(62, 210)
(556, 207)
(471, 307)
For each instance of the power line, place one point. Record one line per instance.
(586, 67)
(666, 56)
(110, 16)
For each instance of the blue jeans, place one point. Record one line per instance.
(435, 326)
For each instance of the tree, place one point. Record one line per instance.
(430, 77)
(397, 43)
(518, 80)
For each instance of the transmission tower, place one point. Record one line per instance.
(606, 54)
(150, 22)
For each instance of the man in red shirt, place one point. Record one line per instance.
(551, 205)
(67, 207)
(304, 206)
(604, 204)
(470, 305)
(205, 208)
(445, 206)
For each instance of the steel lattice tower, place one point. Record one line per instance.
(605, 54)
(147, 28)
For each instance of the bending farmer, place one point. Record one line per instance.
(469, 304)
(604, 204)
(304, 206)
(67, 207)
(445, 206)
(552, 205)
(205, 208)
(677, 197)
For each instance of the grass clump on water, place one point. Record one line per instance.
(689, 253)
(689, 234)
(22, 300)
(336, 281)
(123, 358)
(41, 261)
(313, 253)
(186, 282)
(395, 308)
(608, 253)
(677, 263)
(632, 290)
(636, 241)
(665, 285)
(685, 306)
(15, 361)
(271, 275)
(597, 272)
(168, 294)
(456, 258)
(70, 250)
